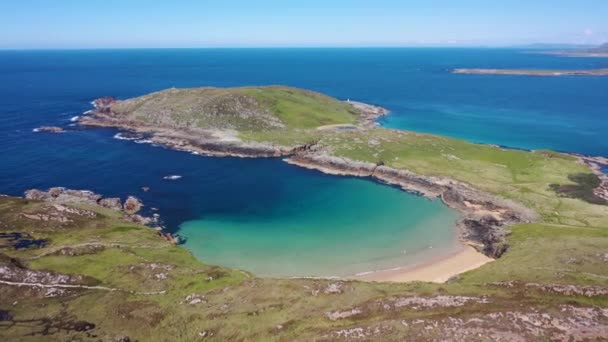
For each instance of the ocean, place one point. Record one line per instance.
(264, 215)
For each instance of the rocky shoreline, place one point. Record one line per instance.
(58, 196)
(484, 218)
(594, 164)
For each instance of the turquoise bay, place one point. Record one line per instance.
(325, 226)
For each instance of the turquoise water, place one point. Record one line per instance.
(264, 215)
(326, 228)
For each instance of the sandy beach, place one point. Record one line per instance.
(438, 270)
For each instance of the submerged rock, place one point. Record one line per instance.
(49, 129)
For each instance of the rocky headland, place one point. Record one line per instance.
(59, 197)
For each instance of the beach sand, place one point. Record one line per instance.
(438, 270)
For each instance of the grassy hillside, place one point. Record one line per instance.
(136, 285)
(247, 108)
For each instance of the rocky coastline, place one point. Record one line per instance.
(484, 218)
(58, 196)
(594, 164)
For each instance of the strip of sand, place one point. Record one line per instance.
(437, 271)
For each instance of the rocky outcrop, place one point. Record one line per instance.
(57, 211)
(112, 203)
(132, 205)
(561, 289)
(63, 195)
(566, 323)
(369, 113)
(49, 129)
(104, 104)
(484, 218)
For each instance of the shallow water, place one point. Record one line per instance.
(247, 213)
(320, 226)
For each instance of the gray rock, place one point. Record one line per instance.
(112, 203)
(132, 205)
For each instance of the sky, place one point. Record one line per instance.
(57, 24)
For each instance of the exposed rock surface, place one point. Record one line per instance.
(568, 323)
(59, 212)
(132, 205)
(341, 314)
(112, 203)
(566, 290)
(49, 129)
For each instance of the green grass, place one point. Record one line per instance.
(303, 109)
(243, 109)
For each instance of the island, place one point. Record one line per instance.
(533, 72)
(78, 266)
(599, 51)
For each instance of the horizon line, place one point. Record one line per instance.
(529, 46)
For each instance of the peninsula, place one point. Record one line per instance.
(533, 72)
(541, 215)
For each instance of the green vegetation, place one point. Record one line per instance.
(247, 108)
(583, 189)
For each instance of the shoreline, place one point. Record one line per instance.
(437, 270)
(483, 220)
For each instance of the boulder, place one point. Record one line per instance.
(112, 203)
(35, 194)
(132, 205)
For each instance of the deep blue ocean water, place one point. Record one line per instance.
(50, 87)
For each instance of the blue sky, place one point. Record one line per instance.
(250, 23)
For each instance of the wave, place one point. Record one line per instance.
(74, 118)
(129, 136)
(172, 177)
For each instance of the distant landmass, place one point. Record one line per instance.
(562, 46)
(533, 72)
(598, 51)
